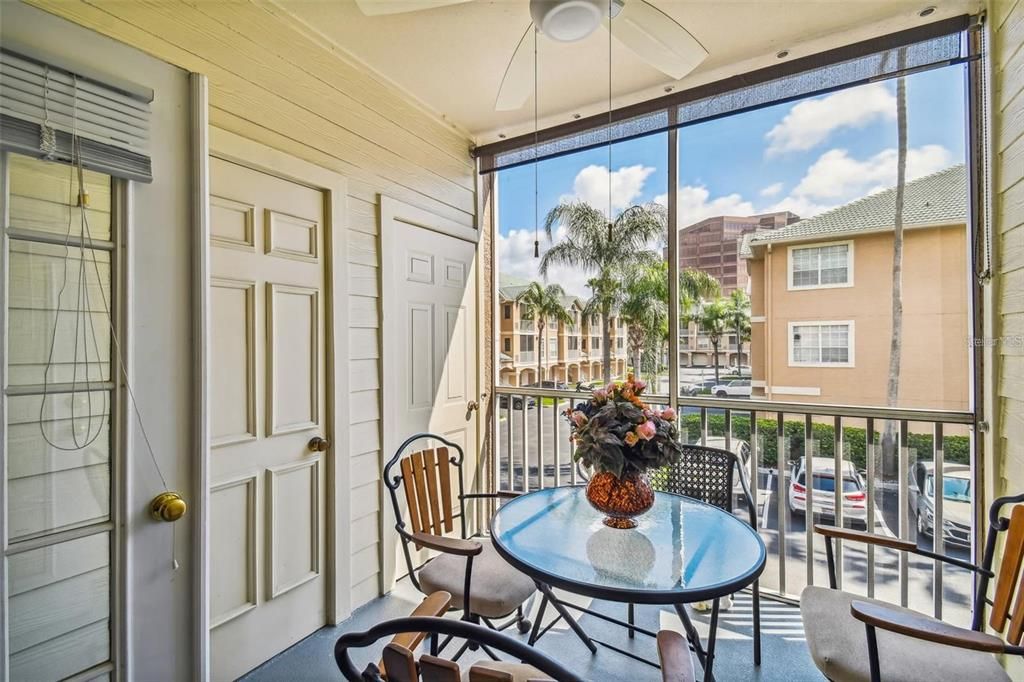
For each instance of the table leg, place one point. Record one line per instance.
(535, 634)
(564, 613)
(694, 637)
(712, 637)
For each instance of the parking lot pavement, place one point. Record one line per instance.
(920, 571)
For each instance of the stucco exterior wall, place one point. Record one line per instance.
(935, 354)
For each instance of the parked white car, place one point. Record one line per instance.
(854, 495)
(742, 370)
(740, 388)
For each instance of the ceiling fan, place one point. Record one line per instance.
(653, 35)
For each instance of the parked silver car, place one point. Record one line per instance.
(956, 501)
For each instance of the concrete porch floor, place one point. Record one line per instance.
(784, 651)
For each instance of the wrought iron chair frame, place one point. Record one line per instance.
(874, 616)
(394, 482)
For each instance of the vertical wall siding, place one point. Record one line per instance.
(273, 81)
(1007, 18)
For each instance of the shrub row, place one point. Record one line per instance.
(956, 448)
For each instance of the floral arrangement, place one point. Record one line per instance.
(617, 432)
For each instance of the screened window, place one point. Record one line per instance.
(821, 266)
(507, 311)
(59, 444)
(508, 345)
(821, 344)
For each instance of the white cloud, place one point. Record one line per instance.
(516, 260)
(771, 190)
(810, 122)
(695, 204)
(836, 178)
(591, 186)
(836, 175)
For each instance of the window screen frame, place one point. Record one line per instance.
(120, 200)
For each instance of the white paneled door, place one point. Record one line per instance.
(268, 524)
(430, 341)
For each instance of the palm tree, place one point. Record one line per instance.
(543, 303)
(609, 250)
(896, 340)
(644, 310)
(738, 310)
(712, 319)
(698, 284)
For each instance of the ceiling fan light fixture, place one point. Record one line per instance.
(567, 20)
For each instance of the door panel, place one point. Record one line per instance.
(430, 301)
(268, 523)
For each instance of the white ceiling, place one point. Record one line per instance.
(451, 59)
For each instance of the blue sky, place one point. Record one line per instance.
(807, 157)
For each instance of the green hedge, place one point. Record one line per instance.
(956, 448)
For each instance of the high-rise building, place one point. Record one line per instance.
(712, 245)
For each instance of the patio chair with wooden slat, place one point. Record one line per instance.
(481, 583)
(856, 639)
(399, 662)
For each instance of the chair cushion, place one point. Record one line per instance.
(839, 647)
(520, 672)
(497, 588)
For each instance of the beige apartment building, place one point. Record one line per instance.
(568, 352)
(821, 292)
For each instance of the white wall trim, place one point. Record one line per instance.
(820, 323)
(4, 590)
(817, 245)
(796, 390)
(265, 159)
(200, 127)
(758, 318)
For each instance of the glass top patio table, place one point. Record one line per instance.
(682, 550)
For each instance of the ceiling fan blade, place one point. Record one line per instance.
(372, 8)
(657, 38)
(517, 84)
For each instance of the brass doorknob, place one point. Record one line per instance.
(168, 506)
(318, 444)
(472, 405)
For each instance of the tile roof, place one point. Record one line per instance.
(936, 199)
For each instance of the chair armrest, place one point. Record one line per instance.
(674, 655)
(456, 546)
(433, 605)
(862, 536)
(897, 543)
(502, 494)
(922, 627)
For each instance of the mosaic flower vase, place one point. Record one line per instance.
(621, 500)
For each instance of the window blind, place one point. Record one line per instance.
(925, 47)
(112, 124)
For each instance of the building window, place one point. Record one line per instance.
(574, 343)
(818, 267)
(508, 345)
(508, 311)
(821, 344)
(526, 343)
